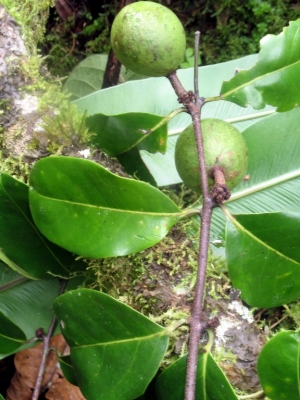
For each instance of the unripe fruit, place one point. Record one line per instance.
(224, 146)
(148, 39)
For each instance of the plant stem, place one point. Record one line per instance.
(197, 325)
(194, 105)
(46, 342)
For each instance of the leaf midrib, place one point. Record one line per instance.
(116, 342)
(175, 214)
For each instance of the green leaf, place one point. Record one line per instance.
(87, 76)
(84, 208)
(211, 383)
(22, 246)
(115, 350)
(263, 257)
(273, 79)
(117, 134)
(278, 366)
(156, 96)
(11, 336)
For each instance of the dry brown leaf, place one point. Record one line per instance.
(27, 363)
(61, 389)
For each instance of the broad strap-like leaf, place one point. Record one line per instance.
(274, 78)
(156, 95)
(86, 77)
(278, 366)
(263, 257)
(86, 209)
(22, 246)
(211, 383)
(115, 351)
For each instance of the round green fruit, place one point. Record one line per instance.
(224, 147)
(148, 39)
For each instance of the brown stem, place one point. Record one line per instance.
(194, 105)
(217, 173)
(113, 65)
(46, 340)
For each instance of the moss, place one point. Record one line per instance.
(62, 130)
(293, 312)
(222, 355)
(32, 16)
(159, 282)
(159, 275)
(15, 167)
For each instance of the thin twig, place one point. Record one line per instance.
(46, 342)
(194, 105)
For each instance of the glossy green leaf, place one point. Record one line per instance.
(273, 78)
(11, 336)
(22, 246)
(115, 351)
(84, 208)
(211, 383)
(278, 366)
(117, 134)
(263, 257)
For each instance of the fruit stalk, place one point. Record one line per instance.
(197, 325)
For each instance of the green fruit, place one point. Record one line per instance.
(148, 39)
(224, 147)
